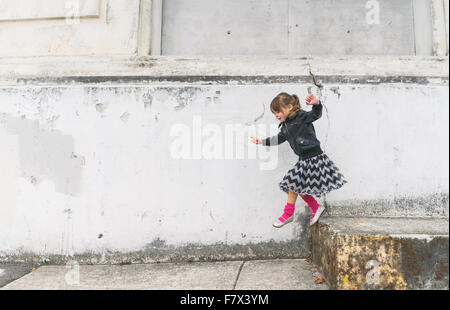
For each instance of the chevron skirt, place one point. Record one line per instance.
(315, 176)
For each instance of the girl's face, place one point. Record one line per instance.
(283, 113)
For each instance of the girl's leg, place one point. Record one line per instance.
(311, 202)
(292, 197)
(289, 209)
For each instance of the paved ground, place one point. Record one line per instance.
(292, 274)
(11, 272)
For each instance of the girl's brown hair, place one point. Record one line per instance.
(284, 100)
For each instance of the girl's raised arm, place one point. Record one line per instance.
(316, 111)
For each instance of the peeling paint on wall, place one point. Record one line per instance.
(147, 98)
(184, 95)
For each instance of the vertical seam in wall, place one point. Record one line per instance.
(288, 23)
(161, 29)
(107, 8)
(238, 274)
(139, 29)
(414, 27)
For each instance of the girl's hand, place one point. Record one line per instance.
(256, 140)
(311, 99)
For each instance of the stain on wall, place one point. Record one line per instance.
(45, 154)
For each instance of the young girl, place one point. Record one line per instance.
(314, 173)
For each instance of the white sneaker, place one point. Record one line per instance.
(279, 224)
(316, 216)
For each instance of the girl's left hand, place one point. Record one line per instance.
(256, 140)
(311, 99)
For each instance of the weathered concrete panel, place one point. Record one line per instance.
(352, 27)
(281, 27)
(225, 27)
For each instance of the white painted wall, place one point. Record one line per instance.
(80, 161)
(38, 28)
(16, 10)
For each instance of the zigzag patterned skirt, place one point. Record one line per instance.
(315, 176)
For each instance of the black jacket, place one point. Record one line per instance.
(300, 133)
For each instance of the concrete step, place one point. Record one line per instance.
(435, 206)
(382, 253)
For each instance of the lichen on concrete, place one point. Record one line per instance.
(361, 260)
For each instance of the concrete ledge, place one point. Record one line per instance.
(261, 70)
(435, 205)
(382, 253)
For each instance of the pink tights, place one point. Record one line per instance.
(289, 209)
(311, 202)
